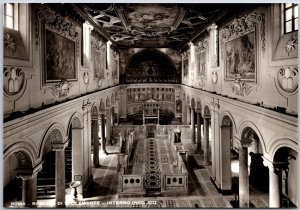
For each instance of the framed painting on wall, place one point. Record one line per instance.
(115, 63)
(201, 64)
(185, 67)
(59, 58)
(99, 64)
(240, 58)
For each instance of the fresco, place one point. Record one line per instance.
(185, 67)
(59, 58)
(240, 60)
(201, 64)
(99, 64)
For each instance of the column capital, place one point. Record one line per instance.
(59, 146)
(86, 106)
(29, 173)
(212, 27)
(206, 117)
(95, 117)
(198, 111)
(246, 142)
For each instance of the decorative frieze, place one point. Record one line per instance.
(57, 23)
(61, 89)
(241, 26)
(36, 30)
(98, 44)
(244, 25)
(201, 46)
(240, 88)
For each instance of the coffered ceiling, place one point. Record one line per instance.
(153, 25)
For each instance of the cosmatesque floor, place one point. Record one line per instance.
(202, 193)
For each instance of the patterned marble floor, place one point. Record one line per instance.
(102, 193)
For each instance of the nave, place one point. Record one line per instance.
(201, 191)
(217, 82)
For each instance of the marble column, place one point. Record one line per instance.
(108, 126)
(199, 149)
(103, 140)
(112, 115)
(274, 188)
(206, 141)
(87, 144)
(157, 116)
(254, 146)
(193, 125)
(188, 115)
(60, 185)
(95, 130)
(184, 113)
(225, 159)
(77, 158)
(243, 178)
(29, 185)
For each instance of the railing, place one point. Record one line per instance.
(134, 184)
(131, 183)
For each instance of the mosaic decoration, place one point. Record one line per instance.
(150, 66)
(152, 166)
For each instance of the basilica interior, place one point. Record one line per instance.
(127, 105)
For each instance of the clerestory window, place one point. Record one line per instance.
(290, 17)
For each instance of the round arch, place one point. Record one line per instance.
(113, 99)
(279, 143)
(193, 103)
(206, 110)
(59, 132)
(107, 102)
(188, 99)
(94, 110)
(150, 65)
(251, 125)
(25, 148)
(199, 106)
(76, 119)
(102, 105)
(228, 114)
